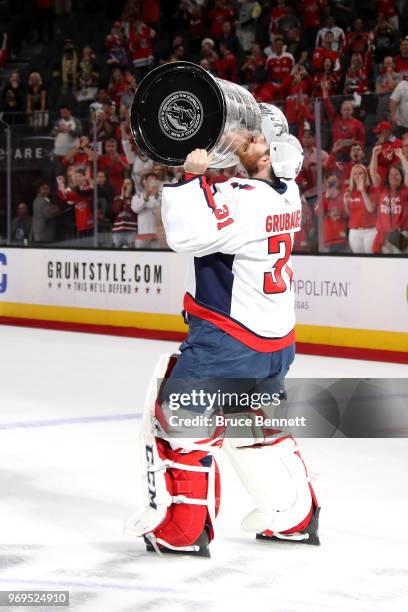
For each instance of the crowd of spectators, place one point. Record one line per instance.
(351, 56)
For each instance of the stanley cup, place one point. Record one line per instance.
(180, 106)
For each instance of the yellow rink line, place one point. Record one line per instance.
(313, 334)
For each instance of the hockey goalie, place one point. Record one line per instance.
(239, 305)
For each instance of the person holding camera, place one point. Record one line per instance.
(144, 204)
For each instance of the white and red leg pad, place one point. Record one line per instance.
(181, 486)
(276, 479)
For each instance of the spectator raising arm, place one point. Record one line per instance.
(404, 164)
(375, 175)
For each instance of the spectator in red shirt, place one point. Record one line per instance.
(221, 12)
(401, 60)
(277, 12)
(116, 46)
(115, 165)
(392, 211)
(356, 79)
(333, 215)
(81, 198)
(345, 129)
(226, 66)
(294, 88)
(150, 11)
(385, 150)
(230, 39)
(140, 45)
(329, 76)
(195, 25)
(304, 238)
(321, 53)
(117, 86)
(312, 12)
(343, 168)
(360, 209)
(307, 178)
(279, 64)
(389, 10)
(107, 122)
(253, 64)
(124, 227)
(3, 51)
(81, 156)
(358, 40)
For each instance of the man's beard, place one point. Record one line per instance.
(250, 161)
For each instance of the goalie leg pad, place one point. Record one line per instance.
(275, 477)
(181, 486)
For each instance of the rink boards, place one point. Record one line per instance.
(345, 305)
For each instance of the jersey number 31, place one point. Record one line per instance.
(273, 281)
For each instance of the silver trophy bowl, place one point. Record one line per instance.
(180, 106)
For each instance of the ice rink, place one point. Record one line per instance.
(70, 407)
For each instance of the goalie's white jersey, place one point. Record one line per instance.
(241, 234)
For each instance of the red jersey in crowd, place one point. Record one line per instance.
(359, 81)
(151, 11)
(387, 157)
(140, 44)
(312, 12)
(196, 23)
(278, 67)
(332, 79)
(401, 65)
(320, 54)
(115, 169)
(392, 213)
(125, 219)
(387, 7)
(350, 130)
(3, 57)
(82, 199)
(277, 12)
(226, 67)
(301, 240)
(217, 17)
(334, 220)
(81, 161)
(359, 217)
(266, 92)
(293, 93)
(342, 169)
(357, 42)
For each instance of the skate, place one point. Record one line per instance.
(200, 548)
(309, 535)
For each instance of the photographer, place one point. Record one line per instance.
(144, 204)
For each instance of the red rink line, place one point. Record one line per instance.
(324, 350)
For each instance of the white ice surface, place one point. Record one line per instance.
(67, 484)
